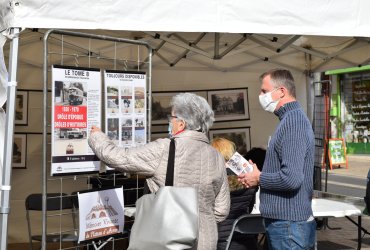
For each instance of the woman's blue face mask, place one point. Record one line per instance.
(170, 129)
(170, 117)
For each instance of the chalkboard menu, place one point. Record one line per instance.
(357, 112)
(337, 152)
(361, 108)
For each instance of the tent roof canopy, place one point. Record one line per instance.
(315, 17)
(209, 35)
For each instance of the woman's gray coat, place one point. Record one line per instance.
(197, 164)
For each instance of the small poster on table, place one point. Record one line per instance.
(101, 214)
(76, 106)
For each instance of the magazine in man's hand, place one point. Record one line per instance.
(238, 164)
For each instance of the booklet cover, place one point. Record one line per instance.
(238, 164)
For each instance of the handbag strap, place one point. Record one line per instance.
(170, 164)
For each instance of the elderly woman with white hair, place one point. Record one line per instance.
(197, 164)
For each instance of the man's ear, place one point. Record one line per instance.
(284, 92)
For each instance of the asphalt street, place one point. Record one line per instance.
(345, 185)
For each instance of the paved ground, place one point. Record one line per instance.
(346, 236)
(358, 165)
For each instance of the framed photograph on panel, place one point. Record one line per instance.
(161, 105)
(229, 104)
(21, 108)
(19, 150)
(240, 136)
(155, 136)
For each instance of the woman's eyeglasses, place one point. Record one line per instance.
(170, 117)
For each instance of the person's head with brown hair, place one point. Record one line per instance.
(226, 147)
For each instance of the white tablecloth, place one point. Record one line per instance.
(329, 208)
(323, 207)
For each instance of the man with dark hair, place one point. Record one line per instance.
(286, 180)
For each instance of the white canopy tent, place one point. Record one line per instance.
(274, 26)
(328, 17)
(245, 32)
(225, 36)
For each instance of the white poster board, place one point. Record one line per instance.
(76, 106)
(125, 107)
(101, 214)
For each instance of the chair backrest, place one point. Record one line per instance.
(74, 198)
(249, 224)
(246, 224)
(54, 201)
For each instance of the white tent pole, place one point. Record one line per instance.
(8, 145)
(149, 82)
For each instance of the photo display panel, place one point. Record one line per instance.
(76, 106)
(125, 107)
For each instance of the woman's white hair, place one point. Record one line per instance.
(194, 110)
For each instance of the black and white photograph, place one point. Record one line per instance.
(21, 108)
(69, 93)
(240, 136)
(112, 100)
(139, 122)
(140, 135)
(139, 100)
(229, 104)
(126, 100)
(126, 135)
(112, 129)
(161, 105)
(19, 151)
(70, 141)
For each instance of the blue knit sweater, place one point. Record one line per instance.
(287, 177)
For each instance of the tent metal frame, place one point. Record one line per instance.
(172, 47)
(45, 101)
